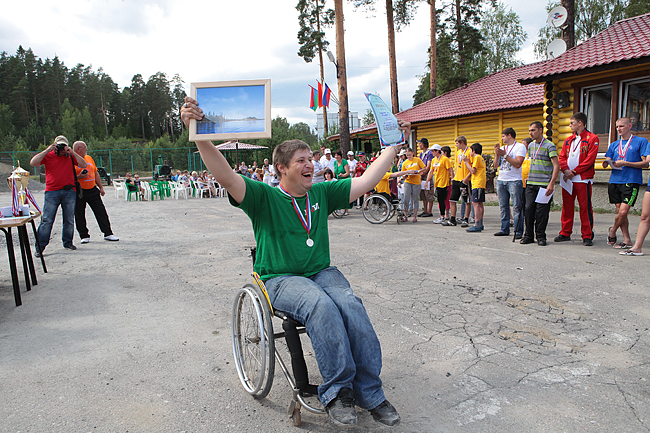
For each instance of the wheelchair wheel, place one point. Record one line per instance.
(252, 340)
(377, 209)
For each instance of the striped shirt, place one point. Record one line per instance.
(541, 167)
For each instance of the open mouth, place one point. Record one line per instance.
(307, 175)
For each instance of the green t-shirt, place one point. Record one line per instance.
(339, 169)
(279, 233)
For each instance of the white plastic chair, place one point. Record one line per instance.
(119, 188)
(179, 188)
(202, 188)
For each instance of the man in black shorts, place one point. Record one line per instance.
(460, 184)
(626, 157)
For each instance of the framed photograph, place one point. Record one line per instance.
(233, 110)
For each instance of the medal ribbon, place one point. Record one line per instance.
(306, 222)
(623, 151)
(538, 148)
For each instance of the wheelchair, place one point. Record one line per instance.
(378, 208)
(253, 340)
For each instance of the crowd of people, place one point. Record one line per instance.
(528, 171)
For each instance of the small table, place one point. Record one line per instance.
(25, 251)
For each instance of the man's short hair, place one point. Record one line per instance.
(477, 148)
(510, 131)
(461, 139)
(424, 142)
(580, 117)
(537, 124)
(284, 152)
(625, 119)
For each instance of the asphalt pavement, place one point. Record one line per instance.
(479, 334)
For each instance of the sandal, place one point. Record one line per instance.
(630, 253)
(622, 246)
(611, 240)
(415, 219)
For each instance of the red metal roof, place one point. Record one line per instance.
(627, 40)
(495, 92)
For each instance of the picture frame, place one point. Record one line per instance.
(233, 110)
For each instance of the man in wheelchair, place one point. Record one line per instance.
(293, 259)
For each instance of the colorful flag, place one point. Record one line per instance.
(15, 205)
(32, 200)
(313, 101)
(320, 94)
(326, 96)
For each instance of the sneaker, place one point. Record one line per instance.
(587, 242)
(449, 223)
(70, 247)
(561, 238)
(471, 220)
(358, 207)
(463, 223)
(85, 240)
(385, 413)
(341, 409)
(38, 254)
(422, 214)
(109, 238)
(474, 229)
(501, 234)
(439, 220)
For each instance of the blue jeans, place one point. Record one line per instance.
(67, 200)
(505, 191)
(345, 344)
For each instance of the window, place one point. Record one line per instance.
(597, 105)
(636, 105)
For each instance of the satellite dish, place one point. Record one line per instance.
(557, 16)
(555, 48)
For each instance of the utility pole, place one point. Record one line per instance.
(322, 69)
(341, 75)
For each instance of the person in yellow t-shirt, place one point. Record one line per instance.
(478, 172)
(412, 183)
(442, 170)
(460, 184)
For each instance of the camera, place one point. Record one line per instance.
(60, 147)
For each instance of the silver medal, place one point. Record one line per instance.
(310, 243)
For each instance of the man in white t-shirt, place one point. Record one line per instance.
(352, 163)
(319, 169)
(327, 160)
(510, 156)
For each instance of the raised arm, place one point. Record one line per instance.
(371, 177)
(213, 159)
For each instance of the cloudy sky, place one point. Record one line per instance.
(219, 40)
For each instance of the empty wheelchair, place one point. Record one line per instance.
(378, 208)
(253, 339)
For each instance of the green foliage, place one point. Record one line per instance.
(313, 20)
(503, 36)
(42, 99)
(368, 118)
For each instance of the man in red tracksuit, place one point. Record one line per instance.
(577, 159)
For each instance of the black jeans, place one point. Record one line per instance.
(94, 199)
(535, 214)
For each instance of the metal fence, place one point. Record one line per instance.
(143, 161)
